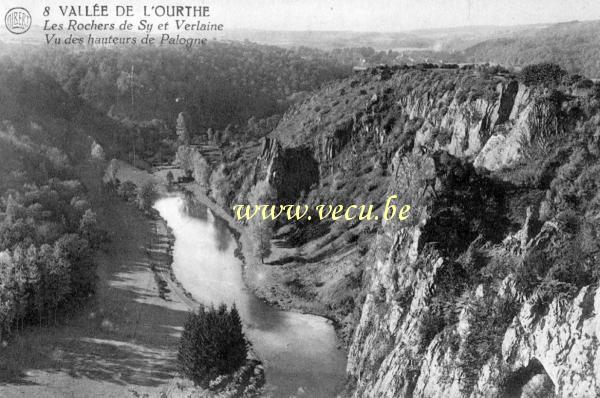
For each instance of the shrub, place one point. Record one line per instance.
(97, 152)
(126, 190)
(545, 73)
(146, 195)
(261, 229)
(489, 318)
(351, 237)
(88, 228)
(212, 344)
(112, 171)
(531, 270)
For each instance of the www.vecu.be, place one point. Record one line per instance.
(334, 212)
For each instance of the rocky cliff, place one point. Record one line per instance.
(436, 324)
(489, 289)
(472, 114)
(461, 302)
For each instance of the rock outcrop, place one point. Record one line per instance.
(491, 128)
(428, 328)
(484, 291)
(290, 171)
(403, 348)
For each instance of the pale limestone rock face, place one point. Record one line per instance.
(521, 100)
(490, 132)
(530, 118)
(552, 354)
(503, 149)
(564, 341)
(499, 151)
(493, 133)
(468, 123)
(387, 346)
(540, 386)
(438, 377)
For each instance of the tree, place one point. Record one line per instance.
(9, 288)
(212, 343)
(262, 233)
(112, 171)
(38, 278)
(126, 190)
(18, 232)
(544, 73)
(228, 134)
(261, 228)
(220, 185)
(189, 159)
(237, 344)
(170, 178)
(88, 228)
(183, 134)
(146, 195)
(58, 277)
(7, 311)
(15, 279)
(82, 267)
(97, 151)
(13, 210)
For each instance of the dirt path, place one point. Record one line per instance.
(125, 340)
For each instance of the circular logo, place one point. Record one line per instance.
(17, 20)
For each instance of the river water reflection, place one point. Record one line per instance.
(298, 351)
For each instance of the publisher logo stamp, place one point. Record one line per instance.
(17, 20)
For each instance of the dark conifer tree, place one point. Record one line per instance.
(212, 343)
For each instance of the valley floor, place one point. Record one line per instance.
(268, 282)
(122, 343)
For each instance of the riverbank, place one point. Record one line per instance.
(298, 345)
(298, 350)
(265, 281)
(249, 378)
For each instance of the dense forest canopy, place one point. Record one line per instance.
(38, 107)
(218, 84)
(48, 230)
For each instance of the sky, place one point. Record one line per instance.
(359, 15)
(401, 15)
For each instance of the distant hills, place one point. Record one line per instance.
(445, 39)
(573, 45)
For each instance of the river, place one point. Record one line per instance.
(298, 351)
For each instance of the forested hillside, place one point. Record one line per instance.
(218, 84)
(574, 45)
(47, 228)
(37, 106)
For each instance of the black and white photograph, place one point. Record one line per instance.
(300, 199)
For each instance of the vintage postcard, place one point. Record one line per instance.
(285, 198)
